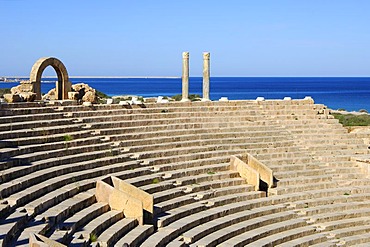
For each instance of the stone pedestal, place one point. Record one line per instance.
(206, 75)
(185, 77)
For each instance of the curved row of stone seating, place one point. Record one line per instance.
(185, 167)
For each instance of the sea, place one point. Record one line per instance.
(349, 93)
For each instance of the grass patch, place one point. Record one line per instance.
(155, 181)
(347, 194)
(67, 138)
(353, 120)
(192, 97)
(211, 172)
(93, 237)
(101, 95)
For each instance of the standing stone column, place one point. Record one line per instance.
(206, 75)
(185, 76)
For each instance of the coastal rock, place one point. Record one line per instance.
(50, 95)
(89, 97)
(12, 98)
(28, 96)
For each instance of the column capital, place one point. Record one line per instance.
(185, 55)
(206, 55)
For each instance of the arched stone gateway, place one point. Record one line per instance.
(63, 85)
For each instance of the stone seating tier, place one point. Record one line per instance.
(179, 153)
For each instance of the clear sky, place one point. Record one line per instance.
(147, 37)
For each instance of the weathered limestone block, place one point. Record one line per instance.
(250, 175)
(146, 199)
(28, 96)
(37, 240)
(50, 95)
(90, 96)
(118, 200)
(73, 95)
(12, 98)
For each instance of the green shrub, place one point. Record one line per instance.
(67, 138)
(192, 97)
(4, 91)
(353, 120)
(363, 110)
(101, 95)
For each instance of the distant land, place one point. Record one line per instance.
(89, 76)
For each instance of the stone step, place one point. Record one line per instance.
(304, 180)
(57, 167)
(23, 164)
(169, 216)
(11, 226)
(112, 234)
(43, 131)
(335, 216)
(136, 236)
(300, 188)
(177, 191)
(309, 240)
(344, 227)
(321, 209)
(33, 124)
(356, 240)
(48, 146)
(216, 221)
(210, 142)
(65, 230)
(44, 140)
(90, 232)
(181, 136)
(173, 175)
(251, 230)
(283, 236)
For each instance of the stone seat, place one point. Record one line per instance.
(335, 216)
(35, 161)
(34, 124)
(321, 209)
(343, 198)
(318, 239)
(303, 187)
(31, 117)
(191, 156)
(170, 176)
(304, 180)
(112, 234)
(89, 233)
(167, 121)
(48, 146)
(33, 192)
(44, 131)
(49, 168)
(301, 173)
(281, 237)
(40, 140)
(18, 220)
(149, 138)
(174, 191)
(253, 229)
(136, 236)
(206, 196)
(180, 142)
(356, 240)
(169, 216)
(216, 223)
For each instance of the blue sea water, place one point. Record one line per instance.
(350, 93)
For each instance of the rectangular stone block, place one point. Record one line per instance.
(250, 175)
(119, 200)
(37, 240)
(146, 199)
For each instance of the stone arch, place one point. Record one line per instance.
(63, 85)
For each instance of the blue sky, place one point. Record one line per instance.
(146, 37)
